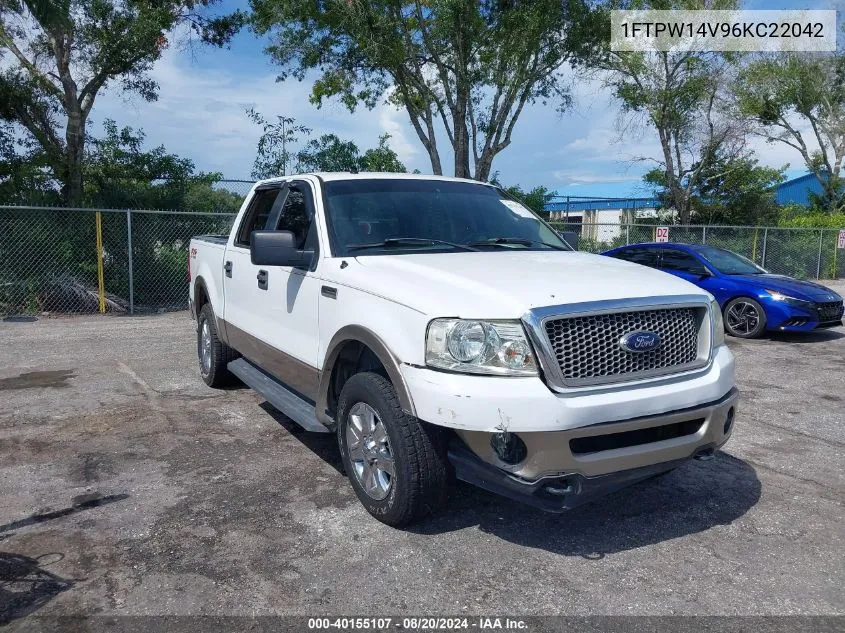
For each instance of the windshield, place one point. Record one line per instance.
(379, 216)
(729, 263)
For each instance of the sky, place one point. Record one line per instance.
(204, 93)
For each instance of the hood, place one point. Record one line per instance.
(797, 288)
(504, 285)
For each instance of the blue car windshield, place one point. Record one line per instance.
(729, 263)
(379, 216)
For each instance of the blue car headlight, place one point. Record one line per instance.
(800, 303)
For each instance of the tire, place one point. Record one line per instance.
(393, 440)
(213, 368)
(744, 318)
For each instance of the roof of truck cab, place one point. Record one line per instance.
(368, 175)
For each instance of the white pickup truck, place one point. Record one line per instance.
(441, 329)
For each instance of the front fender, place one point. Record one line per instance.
(386, 357)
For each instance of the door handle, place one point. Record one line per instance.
(262, 279)
(227, 267)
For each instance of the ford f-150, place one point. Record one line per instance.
(442, 329)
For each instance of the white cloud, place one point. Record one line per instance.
(200, 114)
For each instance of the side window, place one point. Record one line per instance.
(256, 215)
(682, 262)
(643, 256)
(297, 216)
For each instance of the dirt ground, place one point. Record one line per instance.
(127, 487)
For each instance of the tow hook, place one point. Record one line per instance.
(705, 455)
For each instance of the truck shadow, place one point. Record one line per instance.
(694, 498)
(25, 586)
(813, 336)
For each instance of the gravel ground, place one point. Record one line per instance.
(127, 487)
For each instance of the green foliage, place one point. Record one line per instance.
(793, 91)
(381, 158)
(737, 192)
(469, 65)
(60, 55)
(279, 151)
(678, 94)
(536, 199)
(816, 220)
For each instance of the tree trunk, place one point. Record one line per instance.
(73, 158)
(483, 166)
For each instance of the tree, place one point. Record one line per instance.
(278, 151)
(275, 155)
(121, 173)
(469, 66)
(59, 55)
(680, 95)
(792, 91)
(735, 191)
(536, 199)
(381, 158)
(328, 153)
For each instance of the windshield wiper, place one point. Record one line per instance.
(393, 242)
(497, 241)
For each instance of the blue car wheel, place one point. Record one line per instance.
(744, 318)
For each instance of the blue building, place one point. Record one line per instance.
(798, 190)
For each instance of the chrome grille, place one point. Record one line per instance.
(588, 350)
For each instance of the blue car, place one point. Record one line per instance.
(752, 299)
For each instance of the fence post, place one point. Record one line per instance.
(704, 235)
(627, 234)
(765, 242)
(819, 264)
(101, 285)
(129, 261)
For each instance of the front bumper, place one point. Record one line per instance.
(799, 318)
(565, 469)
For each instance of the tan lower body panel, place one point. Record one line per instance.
(594, 451)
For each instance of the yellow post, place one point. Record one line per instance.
(101, 286)
(754, 252)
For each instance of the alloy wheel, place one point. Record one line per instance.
(743, 318)
(369, 451)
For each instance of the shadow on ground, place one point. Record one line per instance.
(25, 586)
(694, 498)
(323, 445)
(813, 336)
(80, 503)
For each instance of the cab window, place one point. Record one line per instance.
(297, 216)
(255, 218)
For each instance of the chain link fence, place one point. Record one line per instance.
(797, 252)
(69, 261)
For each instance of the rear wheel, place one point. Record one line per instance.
(744, 318)
(396, 464)
(212, 353)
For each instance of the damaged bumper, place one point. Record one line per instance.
(560, 470)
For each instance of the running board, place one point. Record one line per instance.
(285, 400)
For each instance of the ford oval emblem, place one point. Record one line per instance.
(640, 341)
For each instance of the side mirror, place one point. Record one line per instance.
(704, 274)
(278, 248)
(571, 238)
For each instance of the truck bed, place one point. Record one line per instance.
(212, 239)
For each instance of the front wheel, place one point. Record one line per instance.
(744, 318)
(396, 464)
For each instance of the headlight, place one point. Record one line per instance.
(779, 296)
(718, 324)
(479, 347)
